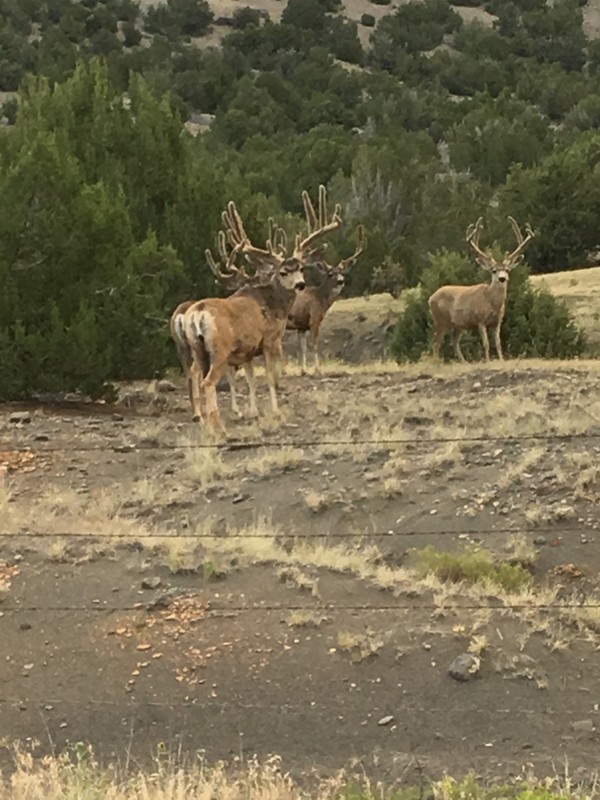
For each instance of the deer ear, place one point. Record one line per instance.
(483, 262)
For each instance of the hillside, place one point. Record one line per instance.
(303, 590)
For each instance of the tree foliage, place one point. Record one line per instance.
(109, 204)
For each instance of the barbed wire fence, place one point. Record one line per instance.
(124, 446)
(216, 610)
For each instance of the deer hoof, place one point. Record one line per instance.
(196, 418)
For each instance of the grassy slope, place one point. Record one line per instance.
(580, 289)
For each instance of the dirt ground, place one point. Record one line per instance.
(157, 594)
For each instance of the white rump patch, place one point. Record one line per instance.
(202, 324)
(179, 328)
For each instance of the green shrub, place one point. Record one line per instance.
(9, 109)
(243, 17)
(536, 324)
(368, 20)
(470, 566)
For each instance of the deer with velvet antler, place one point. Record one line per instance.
(482, 306)
(232, 278)
(230, 332)
(311, 306)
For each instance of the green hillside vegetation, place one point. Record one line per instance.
(108, 204)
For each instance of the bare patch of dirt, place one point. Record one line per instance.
(278, 598)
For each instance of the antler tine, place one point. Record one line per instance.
(309, 211)
(360, 246)
(229, 270)
(323, 226)
(516, 229)
(277, 241)
(473, 232)
(522, 241)
(282, 240)
(237, 236)
(474, 229)
(234, 225)
(322, 206)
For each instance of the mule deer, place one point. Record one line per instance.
(232, 279)
(310, 307)
(482, 306)
(233, 331)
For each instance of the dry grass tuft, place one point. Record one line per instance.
(205, 467)
(360, 646)
(83, 779)
(306, 619)
(548, 513)
(282, 459)
(316, 501)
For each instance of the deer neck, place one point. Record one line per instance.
(327, 293)
(274, 297)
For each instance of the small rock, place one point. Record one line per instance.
(583, 726)
(539, 540)
(239, 498)
(165, 386)
(386, 720)
(117, 417)
(20, 418)
(41, 437)
(25, 626)
(124, 448)
(464, 667)
(151, 442)
(152, 582)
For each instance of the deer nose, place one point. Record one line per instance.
(300, 285)
(502, 278)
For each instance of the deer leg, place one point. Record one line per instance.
(315, 337)
(498, 343)
(437, 341)
(302, 342)
(270, 370)
(486, 341)
(251, 381)
(280, 361)
(209, 385)
(231, 376)
(456, 337)
(194, 386)
(186, 360)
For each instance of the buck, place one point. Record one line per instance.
(482, 306)
(232, 279)
(310, 307)
(232, 331)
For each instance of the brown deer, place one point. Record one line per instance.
(233, 331)
(232, 279)
(310, 307)
(482, 306)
